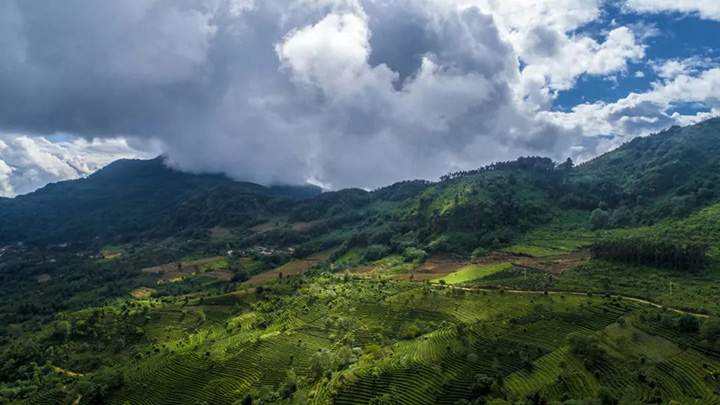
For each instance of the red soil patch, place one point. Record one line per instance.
(292, 268)
(555, 265)
(433, 267)
(441, 265)
(142, 292)
(172, 271)
(499, 257)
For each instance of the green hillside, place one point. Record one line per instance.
(134, 198)
(522, 282)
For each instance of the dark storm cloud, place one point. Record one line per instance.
(343, 92)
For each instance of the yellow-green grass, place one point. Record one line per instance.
(217, 264)
(473, 272)
(534, 251)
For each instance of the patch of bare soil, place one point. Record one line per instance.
(499, 257)
(362, 270)
(222, 275)
(554, 265)
(178, 270)
(433, 267)
(142, 292)
(292, 268)
(441, 265)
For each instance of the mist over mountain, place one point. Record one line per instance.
(638, 183)
(359, 202)
(341, 93)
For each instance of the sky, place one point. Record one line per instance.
(343, 93)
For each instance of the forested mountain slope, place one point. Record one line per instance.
(522, 282)
(129, 198)
(667, 175)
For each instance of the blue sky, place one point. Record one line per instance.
(672, 35)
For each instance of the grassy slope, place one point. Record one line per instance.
(473, 272)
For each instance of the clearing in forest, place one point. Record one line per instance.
(142, 292)
(176, 271)
(473, 272)
(556, 264)
(292, 268)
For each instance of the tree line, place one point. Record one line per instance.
(535, 164)
(667, 253)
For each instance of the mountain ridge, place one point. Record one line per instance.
(637, 183)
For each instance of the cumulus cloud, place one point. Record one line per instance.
(344, 92)
(709, 9)
(672, 68)
(29, 162)
(643, 113)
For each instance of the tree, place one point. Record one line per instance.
(710, 330)
(61, 330)
(481, 386)
(240, 276)
(620, 217)
(567, 165)
(599, 219)
(588, 349)
(688, 323)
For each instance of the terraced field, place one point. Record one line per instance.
(344, 339)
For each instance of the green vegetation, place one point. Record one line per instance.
(523, 282)
(663, 253)
(473, 272)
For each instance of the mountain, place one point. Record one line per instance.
(670, 174)
(131, 198)
(524, 282)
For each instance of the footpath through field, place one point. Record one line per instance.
(580, 293)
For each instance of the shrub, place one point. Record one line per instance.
(240, 276)
(413, 254)
(710, 330)
(479, 252)
(688, 324)
(599, 219)
(375, 252)
(588, 349)
(481, 386)
(410, 331)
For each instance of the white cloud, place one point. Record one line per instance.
(543, 35)
(644, 113)
(332, 54)
(709, 9)
(345, 92)
(27, 163)
(672, 68)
